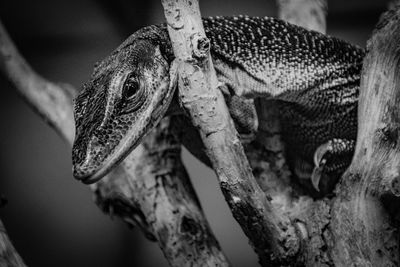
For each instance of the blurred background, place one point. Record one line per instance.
(50, 217)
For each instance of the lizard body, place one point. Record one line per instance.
(314, 78)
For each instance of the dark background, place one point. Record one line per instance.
(50, 217)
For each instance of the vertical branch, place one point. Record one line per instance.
(8, 255)
(363, 231)
(271, 234)
(310, 14)
(150, 189)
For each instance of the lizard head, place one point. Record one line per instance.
(128, 94)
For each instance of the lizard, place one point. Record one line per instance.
(313, 77)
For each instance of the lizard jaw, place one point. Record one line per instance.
(89, 174)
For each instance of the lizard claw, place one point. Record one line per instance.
(316, 177)
(319, 162)
(320, 152)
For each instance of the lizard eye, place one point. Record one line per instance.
(131, 87)
(133, 94)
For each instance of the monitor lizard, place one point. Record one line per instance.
(313, 77)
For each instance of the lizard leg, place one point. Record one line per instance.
(244, 115)
(332, 156)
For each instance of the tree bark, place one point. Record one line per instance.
(152, 190)
(365, 211)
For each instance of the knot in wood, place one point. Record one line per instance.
(174, 17)
(388, 135)
(189, 226)
(395, 186)
(200, 46)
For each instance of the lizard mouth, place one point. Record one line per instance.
(89, 174)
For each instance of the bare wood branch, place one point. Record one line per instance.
(53, 102)
(156, 196)
(310, 14)
(363, 232)
(8, 255)
(160, 199)
(271, 233)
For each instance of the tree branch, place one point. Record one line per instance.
(271, 233)
(363, 232)
(53, 102)
(310, 14)
(160, 199)
(8, 255)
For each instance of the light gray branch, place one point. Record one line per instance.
(52, 101)
(363, 231)
(271, 233)
(310, 14)
(8, 255)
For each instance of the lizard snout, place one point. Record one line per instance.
(85, 173)
(88, 160)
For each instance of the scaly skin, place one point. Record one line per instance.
(315, 79)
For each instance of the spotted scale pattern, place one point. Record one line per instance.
(283, 56)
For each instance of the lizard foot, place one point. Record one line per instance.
(331, 156)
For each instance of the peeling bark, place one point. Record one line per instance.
(271, 233)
